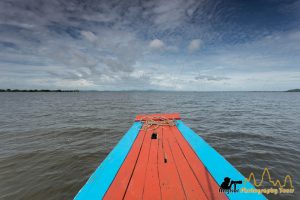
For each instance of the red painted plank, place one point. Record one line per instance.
(118, 187)
(152, 187)
(171, 116)
(170, 183)
(137, 182)
(190, 184)
(208, 184)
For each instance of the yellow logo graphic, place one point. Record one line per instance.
(278, 187)
(274, 183)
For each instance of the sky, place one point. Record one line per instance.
(182, 45)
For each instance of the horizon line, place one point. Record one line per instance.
(135, 90)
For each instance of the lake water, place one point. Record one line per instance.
(50, 143)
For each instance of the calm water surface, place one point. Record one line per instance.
(50, 143)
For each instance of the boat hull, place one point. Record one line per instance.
(163, 159)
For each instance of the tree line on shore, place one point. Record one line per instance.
(36, 90)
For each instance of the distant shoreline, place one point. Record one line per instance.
(293, 90)
(36, 90)
(45, 90)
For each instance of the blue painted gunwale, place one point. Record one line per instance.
(101, 179)
(216, 164)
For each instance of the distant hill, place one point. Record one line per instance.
(293, 90)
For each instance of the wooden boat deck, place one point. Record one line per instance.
(161, 161)
(163, 168)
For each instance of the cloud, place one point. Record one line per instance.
(194, 45)
(107, 44)
(90, 36)
(211, 78)
(170, 14)
(156, 44)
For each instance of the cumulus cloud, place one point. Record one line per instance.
(156, 44)
(194, 45)
(90, 36)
